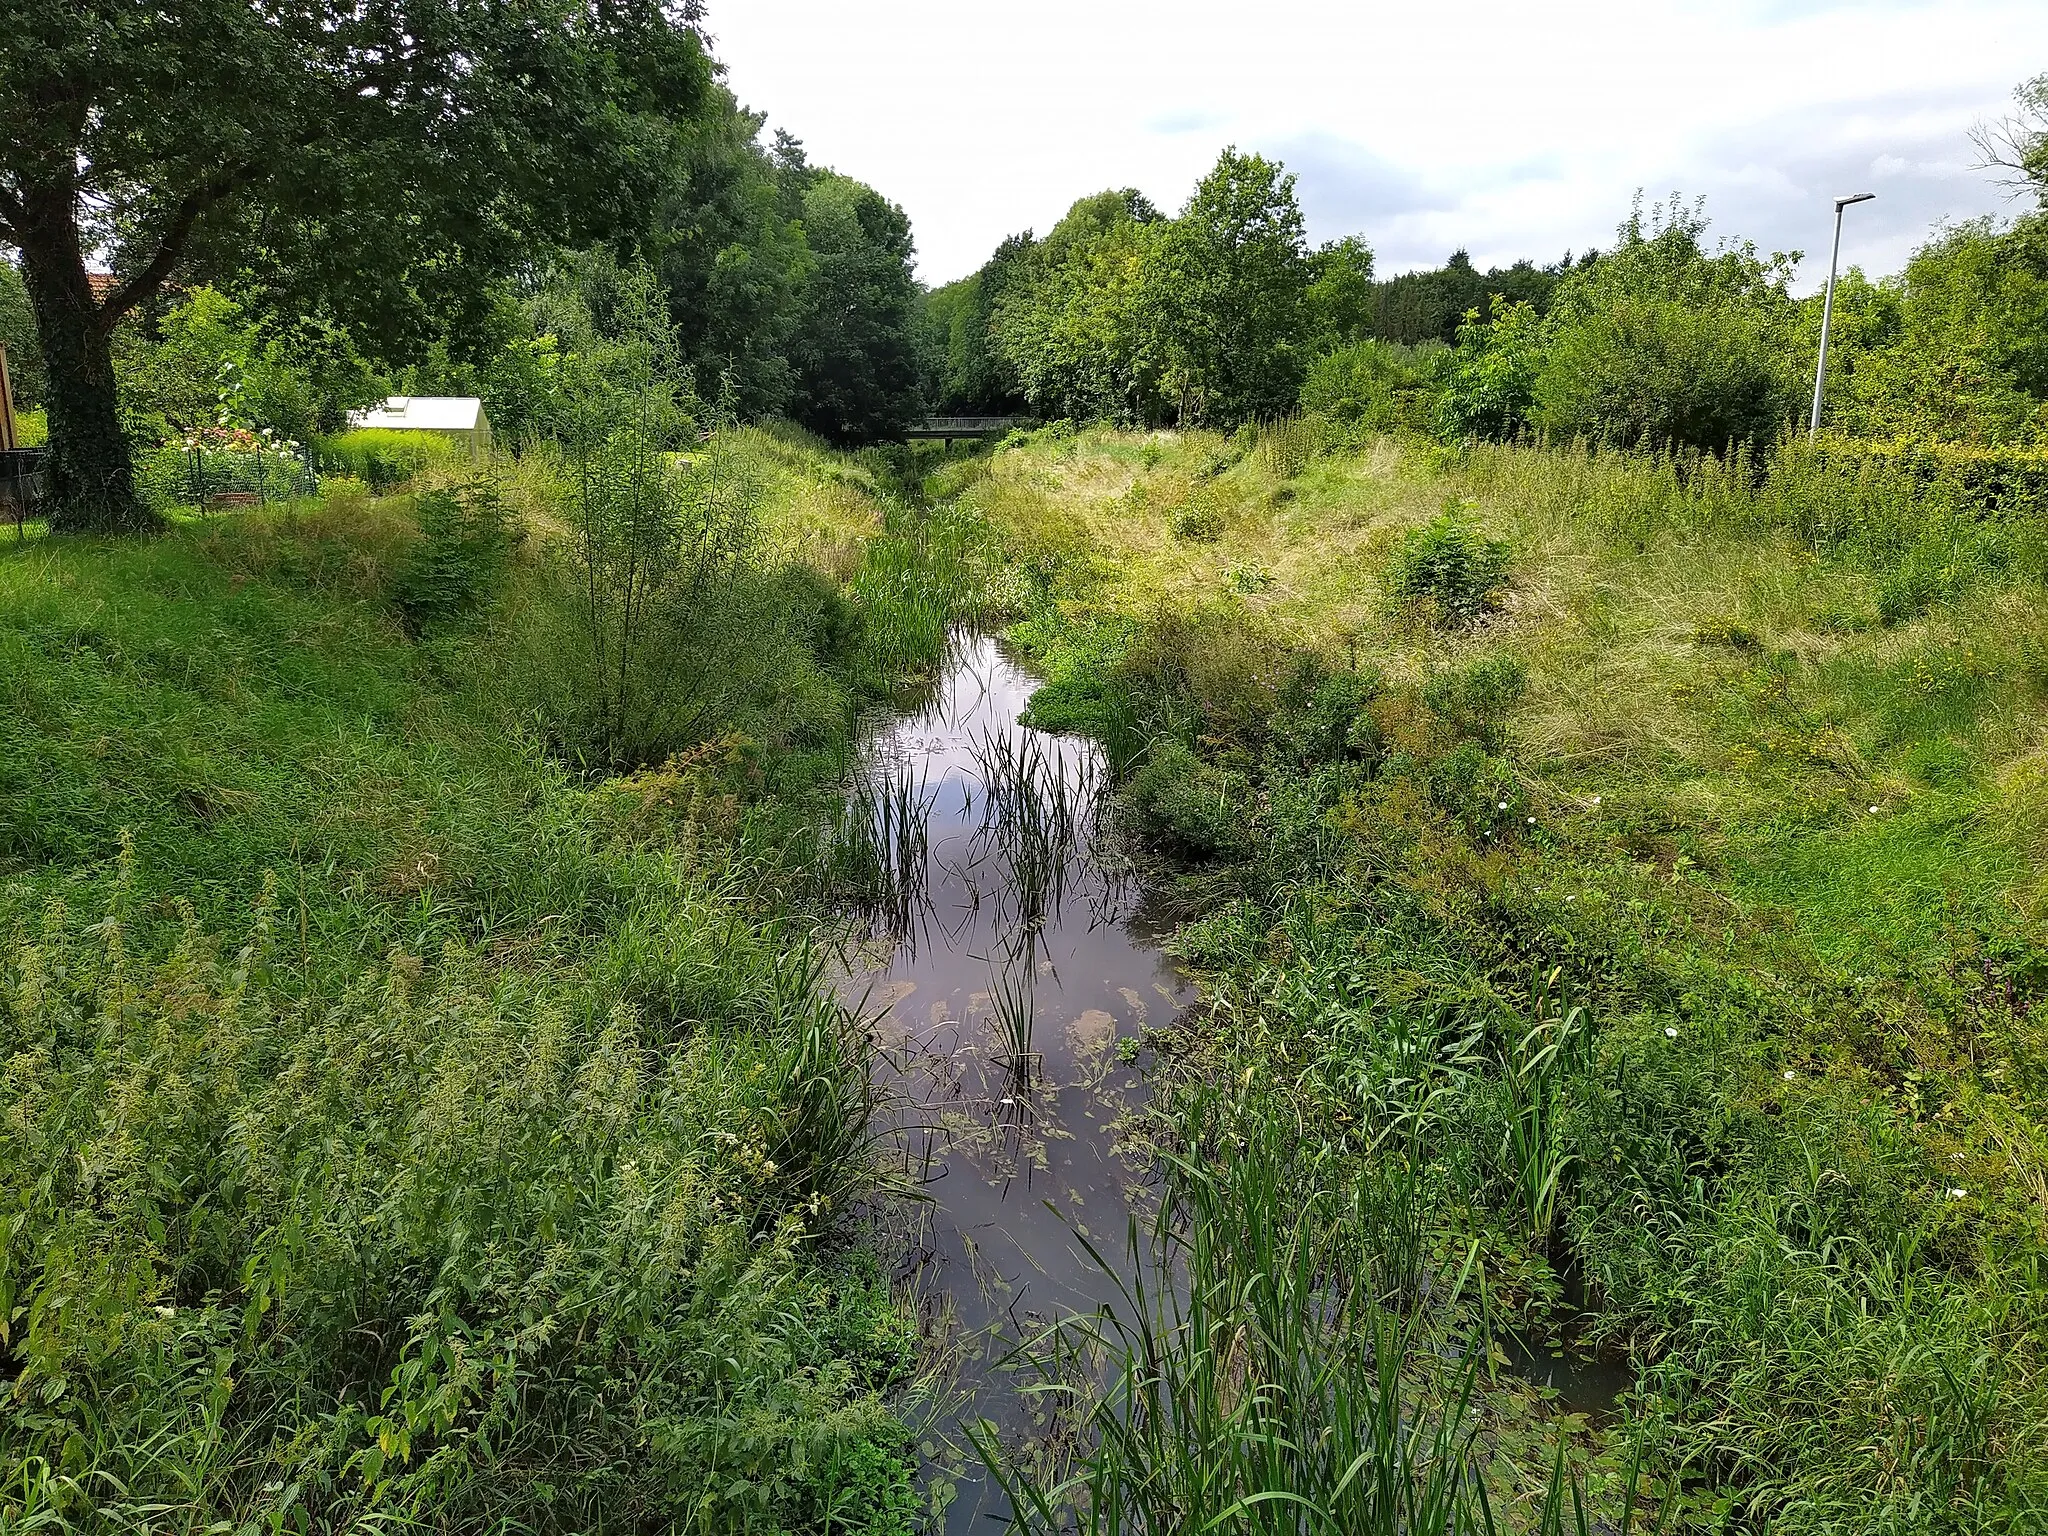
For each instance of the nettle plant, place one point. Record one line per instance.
(415, 1247)
(1448, 568)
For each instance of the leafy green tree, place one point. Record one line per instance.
(734, 259)
(1490, 384)
(1955, 349)
(1081, 322)
(384, 158)
(1235, 275)
(207, 363)
(1661, 342)
(1432, 305)
(853, 348)
(966, 371)
(1340, 293)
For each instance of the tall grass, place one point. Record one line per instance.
(1256, 1382)
(403, 1130)
(1749, 748)
(391, 1253)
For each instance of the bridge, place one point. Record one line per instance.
(947, 428)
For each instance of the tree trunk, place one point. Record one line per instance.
(92, 483)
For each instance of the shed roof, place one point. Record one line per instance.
(424, 413)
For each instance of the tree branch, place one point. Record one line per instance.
(147, 281)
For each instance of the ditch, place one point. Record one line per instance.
(1001, 946)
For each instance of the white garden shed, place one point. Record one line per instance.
(460, 417)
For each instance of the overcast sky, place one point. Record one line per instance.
(1510, 128)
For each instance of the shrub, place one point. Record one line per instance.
(1376, 386)
(1448, 566)
(385, 459)
(1190, 807)
(1198, 520)
(1474, 700)
(1491, 378)
(1661, 343)
(1323, 716)
(466, 535)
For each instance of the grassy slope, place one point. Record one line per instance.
(1732, 680)
(1810, 845)
(479, 1184)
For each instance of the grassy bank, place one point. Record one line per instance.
(1633, 867)
(406, 1121)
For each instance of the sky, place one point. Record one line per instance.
(1507, 127)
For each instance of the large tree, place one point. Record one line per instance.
(380, 155)
(1237, 274)
(854, 344)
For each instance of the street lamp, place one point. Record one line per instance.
(1827, 310)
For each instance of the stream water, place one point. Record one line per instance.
(1004, 955)
(1011, 971)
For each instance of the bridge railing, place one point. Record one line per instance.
(965, 426)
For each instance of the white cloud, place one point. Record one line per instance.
(1507, 128)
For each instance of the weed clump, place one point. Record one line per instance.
(1727, 633)
(1449, 568)
(1191, 808)
(1198, 521)
(466, 537)
(1474, 700)
(1325, 717)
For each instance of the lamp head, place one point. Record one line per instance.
(1853, 197)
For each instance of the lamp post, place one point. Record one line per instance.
(1827, 310)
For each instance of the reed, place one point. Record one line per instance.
(1253, 1384)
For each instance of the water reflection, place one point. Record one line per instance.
(998, 939)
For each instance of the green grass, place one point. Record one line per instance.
(400, 1127)
(1751, 757)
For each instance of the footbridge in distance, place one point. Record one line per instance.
(962, 428)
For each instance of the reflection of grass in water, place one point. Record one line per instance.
(1012, 985)
(1253, 1379)
(1039, 813)
(877, 851)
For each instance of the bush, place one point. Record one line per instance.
(216, 461)
(1189, 807)
(1448, 566)
(1323, 716)
(466, 535)
(1474, 700)
(1376, 386)
(1491, 378)
(385, 459)
(1659, 343)
(1198, 520)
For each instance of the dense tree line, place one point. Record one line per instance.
(1224, 313)
(1430, 306)
(1125, 313)
(399, 205)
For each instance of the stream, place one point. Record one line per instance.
(1010, 970)
(1002, 951)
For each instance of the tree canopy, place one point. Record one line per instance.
(380, 161)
